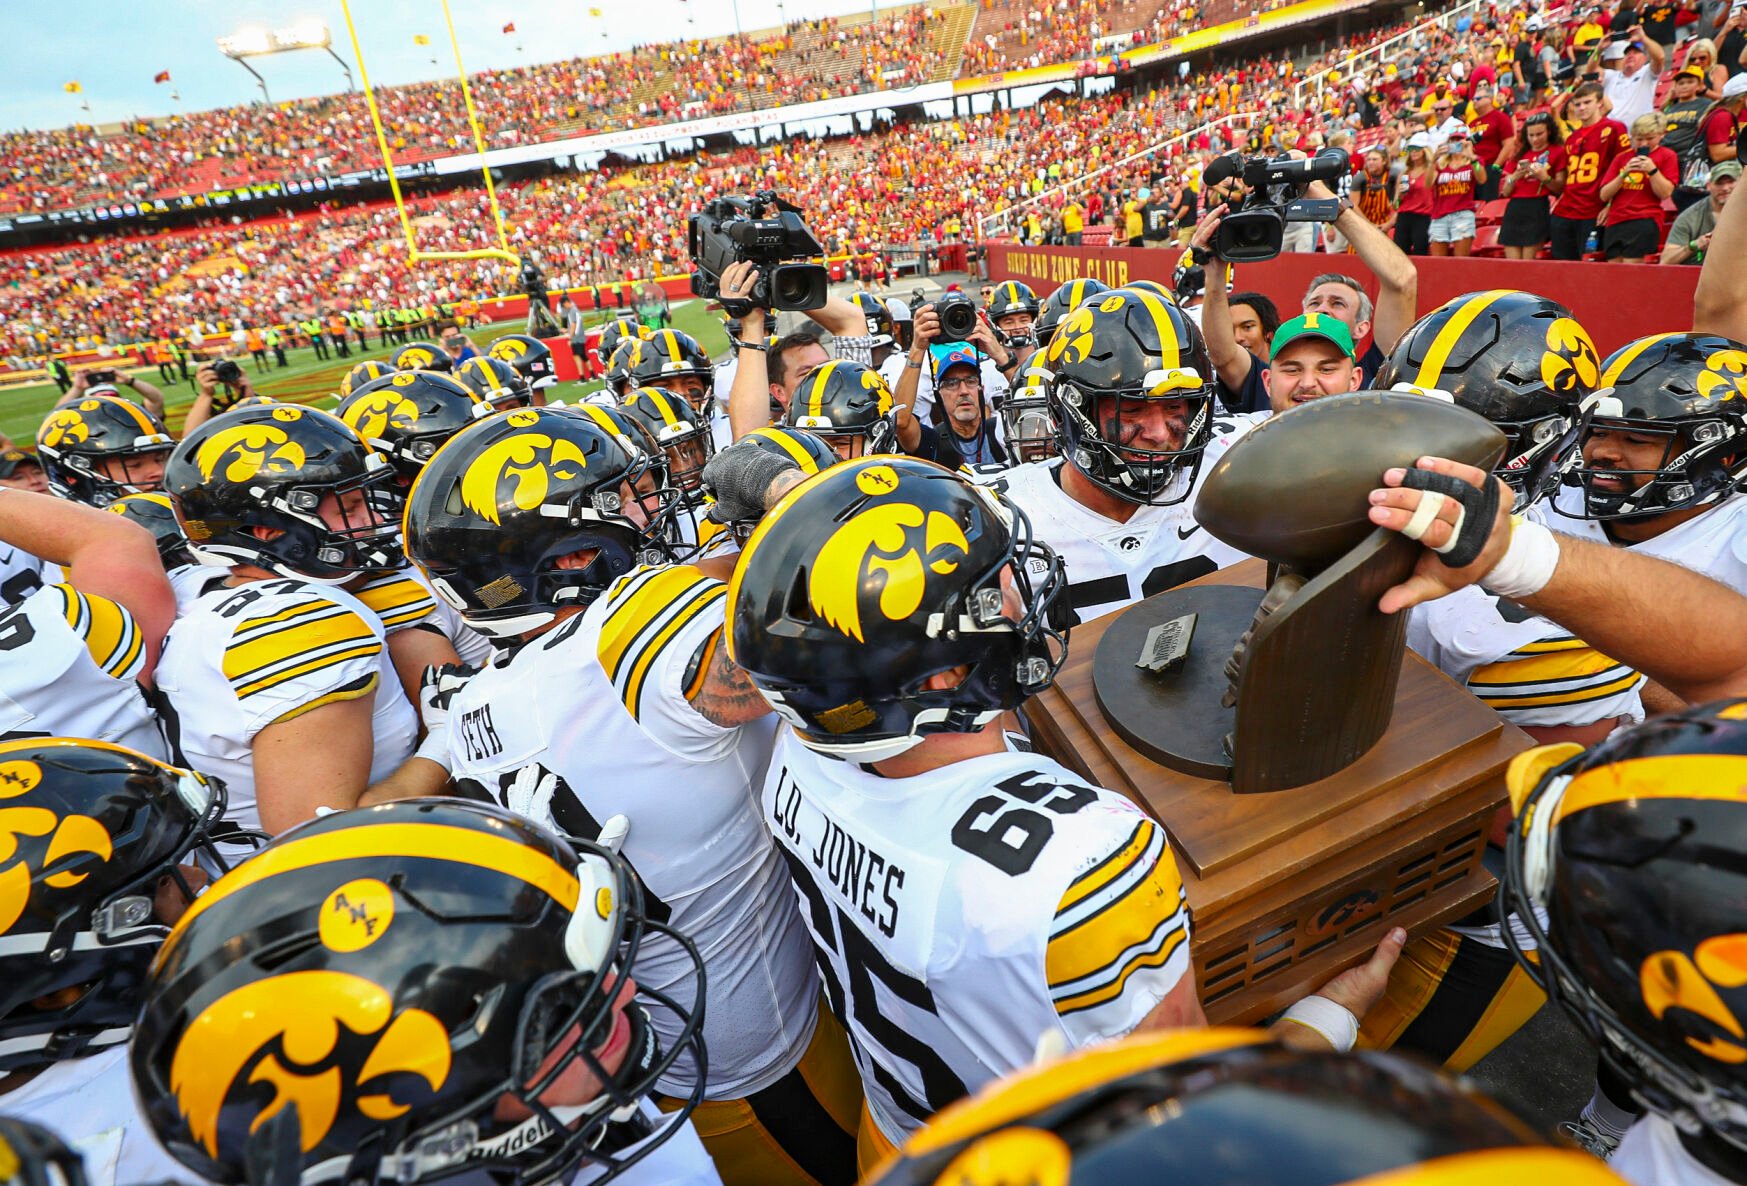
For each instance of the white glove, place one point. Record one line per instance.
(436, 689)
(530, 793)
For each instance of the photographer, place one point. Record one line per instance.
(766, 374)
(218, 386)
(105, 382)
(913, 378)
(1243, 387)
(960, 428)
(539, 302)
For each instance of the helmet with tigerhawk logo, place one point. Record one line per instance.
(618, 372)
(1231, 1107)
(500, 516)
(421, 356)
(31, 1155)
(1114, 359)
(1520, 360)
(531, 357)
(615, 333)
(89, 831)
(872, 577)
(496, 382)
(157, 515)
(408, 415)
(365, 372)
(675, 362)
(683, 438)
(96, 449)
(850, 406)
(1064, 300)
(408, 992)
(324, 495)
(1634, 853)
(1688, 390)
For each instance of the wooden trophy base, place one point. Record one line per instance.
(1291, 887)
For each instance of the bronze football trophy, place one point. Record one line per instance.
(1317, 781)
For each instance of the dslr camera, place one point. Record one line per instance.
(226, 371)
(958, 317)
(735, 230)
(1256, 230)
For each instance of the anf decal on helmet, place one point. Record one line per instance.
(528, 465)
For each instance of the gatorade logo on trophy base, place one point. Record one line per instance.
(1319, 783)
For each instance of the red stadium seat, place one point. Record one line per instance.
(1491, 213)
(1486, 241)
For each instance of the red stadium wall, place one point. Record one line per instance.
(1614, 302)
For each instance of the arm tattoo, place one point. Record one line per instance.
(725, 696)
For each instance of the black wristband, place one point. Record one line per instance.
(745, 345)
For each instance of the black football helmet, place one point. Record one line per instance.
(1014, 297)
(80, 440)
(89, 830)
(275, 467)
(684, 438)
(504, 501)
(1029, 424)
(674, 361)
(531, 357)
(1230, 1107)
(873, 575)
(1687, 389)
(1520, 360)
(807, 450)
(365, 372)
(408, 415)
(157, 514)
(496, 382)
(31, 1155)
(879, 319)
(420, 978)
(623, 328)
(1121, 348)
(1064, 300)
(618, 373)
(1636, 850)
(421, 356)
(849, 405)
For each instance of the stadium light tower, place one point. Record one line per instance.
(255, 41)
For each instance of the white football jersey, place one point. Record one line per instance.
(247, 657)
(1650, 1154)
(1714, 543)
(403, 599)
(1531, 671)
(21, 574)
(1109, 564)
(601, 703)
(89, 1103)
(961, 914)
(680, 1160)
(69, 667)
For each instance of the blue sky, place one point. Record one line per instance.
(114, 49)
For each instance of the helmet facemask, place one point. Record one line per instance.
(310, 548)
(1694, 470)
(1091, 426)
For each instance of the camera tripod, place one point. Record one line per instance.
(540, 316)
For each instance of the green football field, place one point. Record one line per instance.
(310, 380)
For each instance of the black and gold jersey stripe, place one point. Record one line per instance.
(1126, 913)
(646, 611)
(275, 648)
(397, 599)
(107, 630)
(1554, 671)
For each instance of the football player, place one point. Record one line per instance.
(279, 681)
(757, 460)
(879, 326)
(101, 842)
(408, 993)
(421, 356)
(532, 360)
(1131, 396)
(497, 383)
(99, 448)
(1633, 852)
(966, 899)
(1226, 1107)
(544, 527)
(1064, 300)
(673, 361)
(850, 407)
(365, 372)
(1013, 311)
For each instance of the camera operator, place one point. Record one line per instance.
(961, 428)
(218, 386)
(912, 376)
(539, 301)
(766, 375)
(102, 382)
(1241, 378)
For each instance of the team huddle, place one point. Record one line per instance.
(470, 781)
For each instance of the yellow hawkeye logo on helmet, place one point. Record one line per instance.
(508, 350)
(1571, 362)
(1672, 980)
(239, 453)
(518, 471)
(381, 410)
(879, 549)
(1073, 338)
(69, 836)
(415, 357)
(1725, 376)
(65, 427)
(275, 1029)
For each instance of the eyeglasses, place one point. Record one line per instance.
(964, 383)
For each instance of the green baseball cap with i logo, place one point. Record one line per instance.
(1315, 325)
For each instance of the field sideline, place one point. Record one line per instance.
(310, 380)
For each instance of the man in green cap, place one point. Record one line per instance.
(1312, 357)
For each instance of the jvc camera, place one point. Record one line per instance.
(958, 317)
(734, 230)
(1256, 230)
